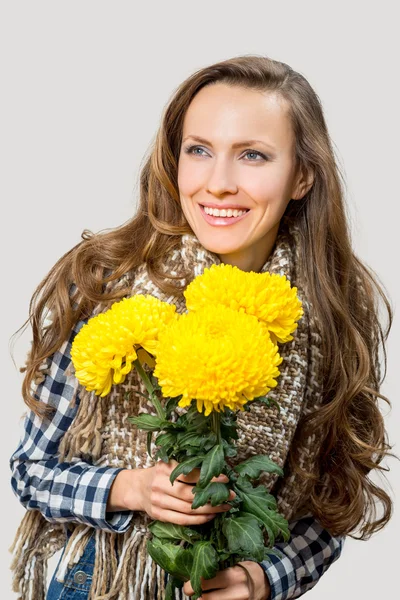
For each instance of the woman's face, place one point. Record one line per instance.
(225, 170)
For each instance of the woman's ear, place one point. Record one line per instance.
(302, 185)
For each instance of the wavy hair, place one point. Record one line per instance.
(344, 292)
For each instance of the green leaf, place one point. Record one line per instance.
(245, 485)
(189, 439)
(205, 564)
(229, 428)
(274, 552)
(244, 536)
(172, 584)
(186, 467)
(191, 451)
(209, 442)
(148, 422)
(255, 501)
(149, 435)
(165, 439)
(255, 465)
(267, 401)
(212, 465)
(184, 562)
(197, 422)
(222, 555)
(174, 532)
(172, 558)
(269, 531)
(162, 454)
(171, 404)
(217, 492)
(229, 450)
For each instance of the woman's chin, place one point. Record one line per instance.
(220, 249)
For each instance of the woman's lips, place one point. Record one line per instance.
(221, 221)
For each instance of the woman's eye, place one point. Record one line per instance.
(191, 150)
(255, 152)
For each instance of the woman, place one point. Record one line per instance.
(246, 135)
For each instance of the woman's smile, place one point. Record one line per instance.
(225, 218)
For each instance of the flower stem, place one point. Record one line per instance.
(149, 387)
(216, 425)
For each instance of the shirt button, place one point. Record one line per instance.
(80, 577)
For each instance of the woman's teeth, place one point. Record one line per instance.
(215, 212)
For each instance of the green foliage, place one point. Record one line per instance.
(186, 467)
(148, 422)
(228, 426)
(244, 536)
(172, 584)
(205, 564)
(253, 466)
(163, 455)
(258, 502)
(166, 440)
(212, 465)
(267, 401)
(238, 534)
(229, 450)
(172, 531)
(174, 559)
(190, 438)
(217, 492)
(170, 405)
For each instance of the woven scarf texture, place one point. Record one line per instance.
(102, 435)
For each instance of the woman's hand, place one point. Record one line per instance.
(245, 582)
(171, 503)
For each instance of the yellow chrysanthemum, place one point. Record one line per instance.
(267, 296)
(105, 347)
(218, 356)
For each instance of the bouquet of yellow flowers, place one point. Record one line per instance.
(216, 359)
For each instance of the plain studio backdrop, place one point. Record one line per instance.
(83, 87)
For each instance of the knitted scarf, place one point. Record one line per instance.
(101, 435)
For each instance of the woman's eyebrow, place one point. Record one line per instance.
(235, 145)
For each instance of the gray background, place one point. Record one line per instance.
(83, 87)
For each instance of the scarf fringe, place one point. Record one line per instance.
(112, 577)
(35, 542)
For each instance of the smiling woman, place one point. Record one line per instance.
(242, 172)
(229, 171)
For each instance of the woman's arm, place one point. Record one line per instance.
(76, 491)
(304, 559)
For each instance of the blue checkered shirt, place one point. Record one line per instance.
(77, 491)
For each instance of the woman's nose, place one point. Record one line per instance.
(222, 179)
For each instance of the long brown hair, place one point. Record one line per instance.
(343, 291)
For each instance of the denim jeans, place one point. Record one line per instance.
(78, 579)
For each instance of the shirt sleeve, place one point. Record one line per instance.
(303, 559)
(74, 491)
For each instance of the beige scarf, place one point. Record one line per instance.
(102, 435)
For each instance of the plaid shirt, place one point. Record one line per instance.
(77, 491)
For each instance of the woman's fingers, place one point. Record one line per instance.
(228, 584)
(181, 505)
(179, 518)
